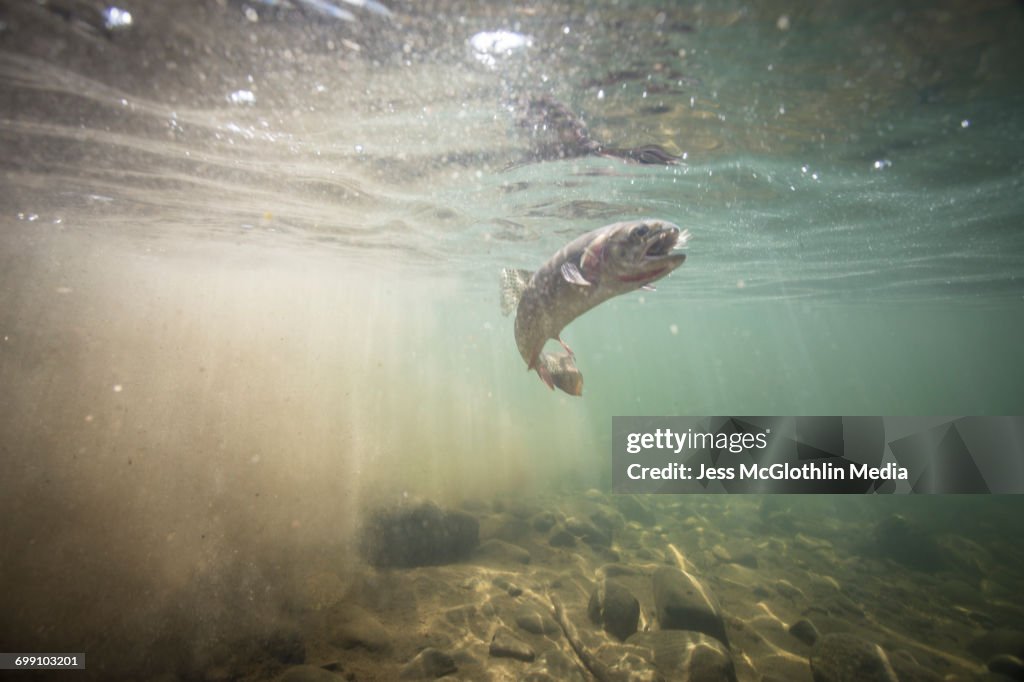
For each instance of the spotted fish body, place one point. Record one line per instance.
(558, 133)
(589, 270)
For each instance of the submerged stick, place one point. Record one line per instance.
(599, 670)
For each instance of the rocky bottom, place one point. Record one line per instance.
(607, 587)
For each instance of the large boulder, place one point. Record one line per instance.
(428, 664)
(841, 657)
(684, 603)
(418, 535)
(690, 656)
(614, 608)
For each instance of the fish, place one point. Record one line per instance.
(586, 272)
(330, 8)
(650, 154)
(558, 133)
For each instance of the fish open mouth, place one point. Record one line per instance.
(660, 255)
(663, 243)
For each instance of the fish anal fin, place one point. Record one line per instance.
(572, 274)
(566, 347)
(513, 283)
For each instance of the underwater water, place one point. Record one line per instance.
(249, 267)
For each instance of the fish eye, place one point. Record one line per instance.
(640, 232)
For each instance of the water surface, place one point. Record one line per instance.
(249, 257)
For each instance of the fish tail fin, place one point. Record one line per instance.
(560, 371)
(545, 375)
(570, 382)
(513, 282)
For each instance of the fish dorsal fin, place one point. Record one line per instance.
(513, 283)
(572, 274)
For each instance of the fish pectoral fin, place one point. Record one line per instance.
(572, 274)
(513, 283)
(648, 287)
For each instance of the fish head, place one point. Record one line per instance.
(637, 252)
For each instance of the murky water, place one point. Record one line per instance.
(249, 264)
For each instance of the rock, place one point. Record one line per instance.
(588, 532)
(615, 570)
(520, 509)
(360, 629)
(909, 670)
(691, 656)
(840, 602)
(608, 521)
(505, 645)
(788, 590)
(746, 560)
(562, 538)
(995, 642)
(841, 657)
(1007, 665)
(505, 527)
(428, 664)
(308, 673)
(614, 608)
(777, 516)
(420, 535)
(510, 588)
(635, 510)
(900, 540)
(683, 603)
(501, 552)
(810, 543)
(472, 618)
(532, 620)
(286, 646)
(465, 659)
(543, 522)
(805, 631)
(553, 666)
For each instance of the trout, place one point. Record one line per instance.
(586, 272)
(558, 133)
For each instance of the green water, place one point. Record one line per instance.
(245, 322)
